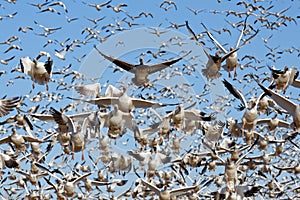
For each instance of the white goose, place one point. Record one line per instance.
(284, 78)
(292, 108)
(125, 103)
(168, 194)
(213, 65)
(38, 71)
(249, 119)
(232, 60)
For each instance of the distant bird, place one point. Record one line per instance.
(13, 47)
(141, 71)
(61, 4)
(25, 29)
(5, 61)
(38, 71)
(62, 53)
(169, 3)
(7, 105)
(99, 6)
(49, 9)
(196, 12)
(117, 8)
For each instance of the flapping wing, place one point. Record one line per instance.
(162, 65)
(48, 65)
(63, 120)
(7, 105)
(196, 39)
(237, 94)
(89, 90)
(279, 99)
(124, 65)
(48, 118)
(26, 65)
(29, 138)
(141, 103)
(102, 102)
(296, 83)
(152, 187)
(214, 40)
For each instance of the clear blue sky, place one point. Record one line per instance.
(131, 42)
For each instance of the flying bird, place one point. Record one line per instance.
(39, 72)
(141, 71)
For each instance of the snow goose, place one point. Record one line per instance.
(38, 71)
(125, 103)
(7, 105)
(70, 137)
(141, 71)
(273, 123)
(292, 108)
(116, 121)
(284, 78)
(213, 65)
(232, 60)
(166, 194)
(249, 119)
(19, 140)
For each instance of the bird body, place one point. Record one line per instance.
(292, 108)
(141, 71)
(38, 71)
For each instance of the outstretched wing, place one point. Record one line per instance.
(237, 94)
(124, 65)
(162, 65)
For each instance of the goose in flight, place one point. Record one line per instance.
(213, 65)
(284, 78)
(38, 71)
(232, 60)
(125, 103)
(165, 194)
(292, 108)
(94, 89)
(116, 121)
(20, 140)
(249, 119)
(69, 137)
(141, 71)
(7, 105)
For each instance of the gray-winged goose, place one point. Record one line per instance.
(141, 71)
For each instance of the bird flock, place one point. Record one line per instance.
(209, 110)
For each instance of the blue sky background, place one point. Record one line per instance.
(136, 40)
